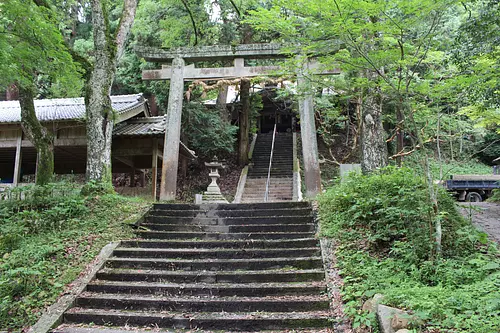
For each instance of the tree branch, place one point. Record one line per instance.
(235, 8)
(193, 22)
(126, 21)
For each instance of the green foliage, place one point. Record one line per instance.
(256, 106)
(387, 210)
(47, 236)
(489, 147)
(385, 245)
(449, 167)
(32, 44)
(496, 196)
(94, 187)
(207, 131)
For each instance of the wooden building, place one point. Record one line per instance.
(137, 137)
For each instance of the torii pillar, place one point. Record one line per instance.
(168, 186)
(312, 173)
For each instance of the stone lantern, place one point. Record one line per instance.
(213, 194)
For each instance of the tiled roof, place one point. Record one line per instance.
(152, 126)
(64, 108)
(141, 127)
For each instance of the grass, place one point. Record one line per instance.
(385, 236)
(45, 242)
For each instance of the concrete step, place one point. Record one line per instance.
(231, 228)
(281, 186)
(264, 175)
(206, 289)
(232, 244)
(77, 328)
(203, 304)
(274, 180)
(215, 264)
(272, 188)
(274, 171)
(271, 192)
(215, 321)
(237, 213)
(211, 276)
(214, 253)
(221, 236)
(285, 181)
(256, 206)
(261, 197)
(189, 222)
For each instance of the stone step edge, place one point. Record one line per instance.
(214, 250)
(210, 299)
(69, 328)
(231, 233)
(210, 273)
(203, 285)
(215, 261)
(227, 242)
(210, 315)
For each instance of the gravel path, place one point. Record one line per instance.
(485, 216)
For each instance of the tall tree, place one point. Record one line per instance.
(385, 48)
(108, 48)
(32, 47)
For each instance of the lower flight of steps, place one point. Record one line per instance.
(227, 267)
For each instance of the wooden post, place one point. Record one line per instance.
(244, 126)
(132, 177)
(168, 185)
(17, 165)
(143, 178)
(312, 173)
(154, 168)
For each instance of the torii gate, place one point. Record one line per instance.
(178, 72)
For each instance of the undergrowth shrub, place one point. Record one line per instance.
(496, 196)
(389, 213)
(47, 236)
(385, 244)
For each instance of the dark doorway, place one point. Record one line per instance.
(275, 111)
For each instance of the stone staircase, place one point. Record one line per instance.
(281, 183)
(227, 267)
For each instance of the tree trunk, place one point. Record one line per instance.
(100, 117)
(373, 144)
(244, 121)
(41, 138)
(222, 103)
(400, 136)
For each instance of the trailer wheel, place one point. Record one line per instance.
(473, 197)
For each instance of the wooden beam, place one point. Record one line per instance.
(213, 52)
(127, 152)
(18, 161)
(154, 168)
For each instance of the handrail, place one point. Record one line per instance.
(266, 196)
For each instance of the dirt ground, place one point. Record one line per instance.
(485, 216)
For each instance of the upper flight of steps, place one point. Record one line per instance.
(227, 267)
(281, 183)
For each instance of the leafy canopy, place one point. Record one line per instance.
(32, 45)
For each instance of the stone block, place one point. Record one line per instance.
(387, 317)
(371, 305)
